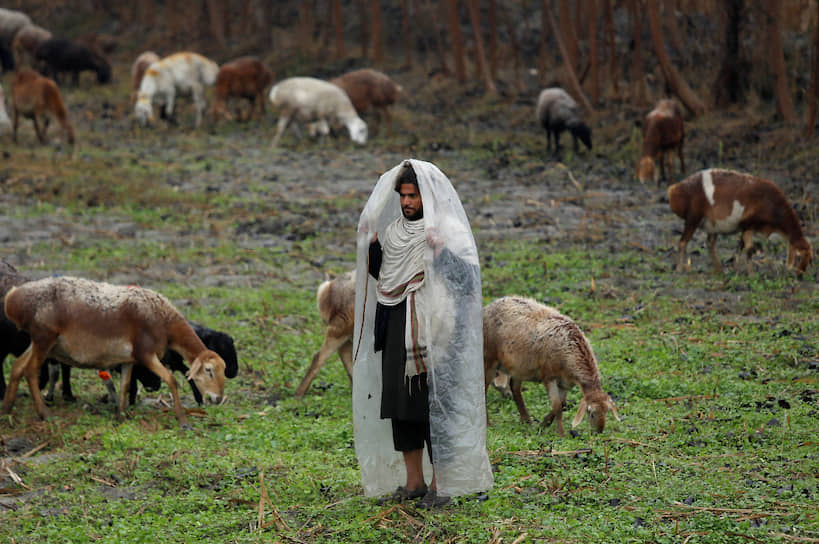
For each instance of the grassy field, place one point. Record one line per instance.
(714, 376)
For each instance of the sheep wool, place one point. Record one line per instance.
(454, 351)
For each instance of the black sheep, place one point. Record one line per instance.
(60, 55)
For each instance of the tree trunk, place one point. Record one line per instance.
(784, 102)
(732, 79)
(568, 34)
(216, 18)
(406, 31)
(595, 76)
(439, 41)
(377, 32)
(608, 24)
(307, 24)
(147, 13)
(544, 50)
(516, 60)
(672, 76)
(570, 73)
(365, 36)
(814, 71)
(493, 40)
(338, 24)
(639, 89)
(483, 69)
(457, 40)
(670, 24)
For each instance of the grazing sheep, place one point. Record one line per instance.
(12, 340)
(336, 306)
(556, 111)
(534, 342)
(59, 55)
(26, 42)
(5, 122)
(138, 68)
(35, 97)
(366, 88)
(10, 22)
(724, 202)
(245, 77)
(98, 325)
(312, 100)
(180, 73)
(663, 132)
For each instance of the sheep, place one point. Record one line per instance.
(138, 68)
(35, 97)
(10, 22)
(180, 73)
(26, 42)
(245, 77)
(12, 341)
(60, 55)
(663, 132)
(724, 202)
(367, 87)
(556, 111)
(336, 305)
(536, 342)
(217, 341)
(5, 122)
(99, 325)
(313, 100)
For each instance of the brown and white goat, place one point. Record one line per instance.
(663, 132)
(724, 202)
(245, 77)
(145, 59)
(336, 305)
(533, 342)
(91, 324)
(35, 97)
(368, 88)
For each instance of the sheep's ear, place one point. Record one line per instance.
(613, 409)
(581, 412)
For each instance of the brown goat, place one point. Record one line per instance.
(724, 202)
(336, 305)
(533, 342)
(92, 324)
(663, 132)
(245, 77)
(370, 88)
(34, 96)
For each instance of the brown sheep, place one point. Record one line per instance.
(34, 96)
(245, 77)
(370, 88)
(533, 342)
(724, 202)
(663, 132)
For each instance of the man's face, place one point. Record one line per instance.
(411, 204)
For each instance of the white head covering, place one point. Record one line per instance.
(455, 349)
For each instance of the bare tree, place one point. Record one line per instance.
(493, 39)
(377, 32)
(216, 18)
(673, 78)
(814, 71)
(776, 60)
(639, 89)
(365, 35)
(608, 25)
(482, 68)
(338, 24)
(670, 24)
(567, 33)
(591, 6)
(457, 40)
(732, 79)
(577, 91)
(439, 41)
(406, 31)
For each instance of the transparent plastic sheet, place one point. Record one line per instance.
(455, 367)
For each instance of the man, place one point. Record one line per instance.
(418, 374)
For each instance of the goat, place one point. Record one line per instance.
(663, 132)
(536, 342)
(724, 202)
(10, 22)
(26, 42)
(245, 77)
(369, 88)
(34, 96)
(138, 68)
(180, 73)
(59, 55)
(336, 305)
(98, 325)
(5, 122)
(556, 111)
(312, 100)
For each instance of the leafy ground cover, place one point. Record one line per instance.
(714, 375)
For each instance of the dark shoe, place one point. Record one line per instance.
(433, 500)
(402, 494)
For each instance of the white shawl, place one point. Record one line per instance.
(454, 347)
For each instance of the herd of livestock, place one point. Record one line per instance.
(97, 325)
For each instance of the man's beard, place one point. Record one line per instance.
(414, 217)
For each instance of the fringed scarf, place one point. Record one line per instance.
(402, 274)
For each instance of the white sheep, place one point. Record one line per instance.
(311, 100)
(5, 122)
(180, 73)
(91, 324)
(557, 111)
(534, 342)
(10, 22)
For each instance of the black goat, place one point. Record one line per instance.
(59, 55)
